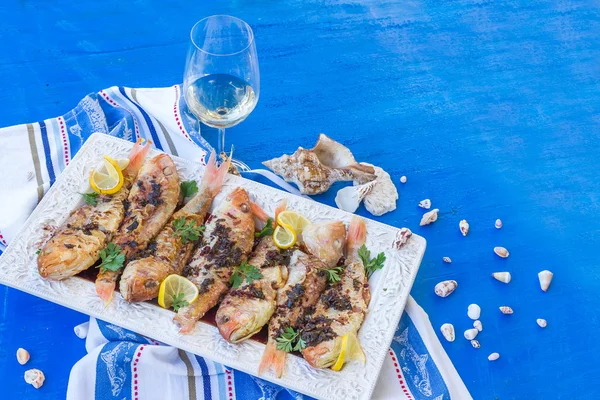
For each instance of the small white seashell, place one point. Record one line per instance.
(464, 227)
(350, 197)
(426, 204)
(498, 224)
(504, 277)
(541, 322)
(474, 311)
(382, 198)
(403, 179)
(493, 356)
(477, 325)
(501, 252)
(445, 288)
(506, 310)
(475, 343)
(35, 377)
(429, 217)
(447, 260)
(470, 334)
(545, 278)
(22, 356)
(402, 237)
(448, 332)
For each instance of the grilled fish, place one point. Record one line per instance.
(306, 281)
(151, 201)
(341, 309)
(169, 253)
(76, 245)
(325, 240)
(227, 241)
(245, 310)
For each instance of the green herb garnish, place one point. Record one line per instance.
(333, 274)
(179, 302)
(244, 272)
(38, 251)
(286, 340)
(91, 198)
(188, 231)
(266, 230)
(371, 265)
(188, 188)
(112, 258)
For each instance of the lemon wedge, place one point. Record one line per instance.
(294, 220)
(351, 350)
(284, 236)
(176, 287)
(109, 180)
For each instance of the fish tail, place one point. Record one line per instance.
(105, 290)
(357, 233)
(213, 178)
(138, 155)
(258, 212)
(272, 357)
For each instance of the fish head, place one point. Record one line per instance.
(236, 204)
(164, 163)
(241, 319)
(325, 240)
(325, 354)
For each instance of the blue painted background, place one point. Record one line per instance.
(490, 108)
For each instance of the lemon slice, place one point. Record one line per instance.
(109, 180)
(173, 286)
(294, 220)
(284, 236)
(351, 350)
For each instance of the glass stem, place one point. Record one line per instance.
(221, 144)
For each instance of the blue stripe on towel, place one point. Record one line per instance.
(146, 118)
(205, 378)
(113, 371)
(48, 156)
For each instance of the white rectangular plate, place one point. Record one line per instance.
(390, 286)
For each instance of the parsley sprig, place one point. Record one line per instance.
(371, 265)
(333, 274)
(188, 188)
(188, 231)
(266, 230)
(286, 340)
(179, 302)
(243, 272)
(90, 198)
(112, 258)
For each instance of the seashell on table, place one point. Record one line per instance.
(445, 288)
(448, 332)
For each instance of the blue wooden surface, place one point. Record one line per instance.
(490, 108)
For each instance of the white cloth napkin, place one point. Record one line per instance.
(124, 365)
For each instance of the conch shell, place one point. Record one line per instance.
(315, 170)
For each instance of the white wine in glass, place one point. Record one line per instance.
(222, 80)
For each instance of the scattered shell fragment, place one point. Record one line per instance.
(34, 377)
(493, 356)
(504, 277)
(470, 334)
(506, 310)
(464, 227)
(478, 325)
(545, 278)
(475, 343)
(382, 197)
(448, 332)
(429, 217)
(403, 179)
(445, 288)
(402, 237)
(541, 322)
(315, 170)
(447, 260)
(350, 197)
(473, 311)
(498, 224)
(501, 252)
(426, 204)
(22, 356)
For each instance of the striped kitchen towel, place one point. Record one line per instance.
(123, 365)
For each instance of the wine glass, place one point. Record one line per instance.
(221, 80)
